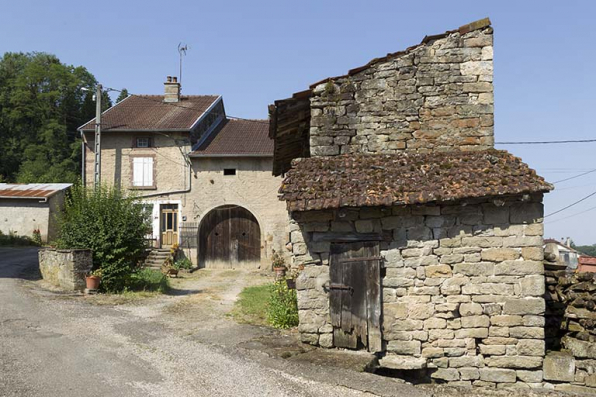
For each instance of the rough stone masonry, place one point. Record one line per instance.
(463, 279)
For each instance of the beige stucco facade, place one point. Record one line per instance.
(196, 189)
(22, 216)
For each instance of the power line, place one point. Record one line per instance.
(546, 142)
(571, 216)
(576, 176)
(571, 205)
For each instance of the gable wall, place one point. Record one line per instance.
(439, 97)
(462, 288)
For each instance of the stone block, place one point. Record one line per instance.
(559, 366)
(579, 348)
(474, 269)
(494, 215)
(451, 259)
(421, 311)
(395, 311)
(530, 347)
(364, 226)
(469, 373)
(497, 375)
(499, 254)
(432, 352)
(529, 376)
(482, 242)
(438, 271)
(524, 306)
(402, 362)
(523, 241)
(435, 323)
(519, 268)
(407, 348)
(532, 286)
(326, 340)
(526, 332)
(466, 361)
(475, 322)
(448, 374)
(533, 253)
(471, 333)
(526, 213)
(517, 362)
(470, 309)
(506, 320)
(492, 350)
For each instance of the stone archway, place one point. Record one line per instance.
(229, 236)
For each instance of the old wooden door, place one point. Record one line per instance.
(355, 295)
(229, 236)
(169, 225)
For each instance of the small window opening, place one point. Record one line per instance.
(229, 171)
(142, 142)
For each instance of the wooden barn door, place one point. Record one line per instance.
(229, 236)
(355, 295)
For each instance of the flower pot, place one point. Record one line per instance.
(92, 282)
(291, 283)
(280, 273)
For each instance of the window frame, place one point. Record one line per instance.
(234, 171)
(153, 186)
(135, 142)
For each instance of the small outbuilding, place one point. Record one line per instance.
(28, 207)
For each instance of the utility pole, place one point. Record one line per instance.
(97, 169)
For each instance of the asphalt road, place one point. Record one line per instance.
(54, 344)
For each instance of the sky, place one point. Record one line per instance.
(254, 52)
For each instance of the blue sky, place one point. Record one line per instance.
(253, 52)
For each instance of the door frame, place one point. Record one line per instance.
(362, 323)
(176, 222)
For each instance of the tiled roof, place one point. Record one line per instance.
(149, 112)
(587, 260)
(405, 178)
(31, 190)
(238, 137)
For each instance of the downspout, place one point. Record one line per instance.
(186, 190)
(83, 159)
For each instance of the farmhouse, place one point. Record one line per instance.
(417, 239)
(202, 176)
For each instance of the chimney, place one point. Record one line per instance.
(171, 90)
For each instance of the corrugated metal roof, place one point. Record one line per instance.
(31, 190)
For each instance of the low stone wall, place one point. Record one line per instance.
(462, 286)
(65, 268)
(570, 328)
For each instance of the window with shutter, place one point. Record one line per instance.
(142, 170)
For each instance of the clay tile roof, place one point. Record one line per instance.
(405, 178)
(234, 137)
(149, 112)
(587, 260)
(31, 190)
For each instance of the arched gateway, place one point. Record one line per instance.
(229, 236)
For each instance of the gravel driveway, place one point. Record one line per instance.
(59, 344)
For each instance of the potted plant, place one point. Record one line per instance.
(279, 265)
(93, 279)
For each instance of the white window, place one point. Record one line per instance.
(142, 171)
(142, 142)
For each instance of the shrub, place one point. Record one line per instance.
(282, 310)
(183, 263)
(110, 223)
(148, 280)
(37, 237)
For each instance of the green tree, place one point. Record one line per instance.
(123, 95)
(110, 223)
(589, 250)
(41, 106)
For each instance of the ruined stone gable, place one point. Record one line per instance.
(437, 96)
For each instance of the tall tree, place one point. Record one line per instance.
(41, 106)
(123, 95)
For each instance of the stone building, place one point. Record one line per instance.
(28, 207)
(204, 177)
(417, 239)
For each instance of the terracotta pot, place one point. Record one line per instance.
(92, 282)
(280, 273)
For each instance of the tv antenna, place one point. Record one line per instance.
(182, 51)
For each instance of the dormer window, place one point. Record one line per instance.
(142, 142)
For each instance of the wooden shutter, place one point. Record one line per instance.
(148, 171)
(137, 171)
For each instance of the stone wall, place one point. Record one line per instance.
(65, 268)
(462, 286)
(436, 96)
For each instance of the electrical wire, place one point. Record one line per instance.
(571, 216)
(571, 205)
(546, 142)
(576, 176)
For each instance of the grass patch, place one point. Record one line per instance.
(251, 306)
(148, 280)
(13, 240)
